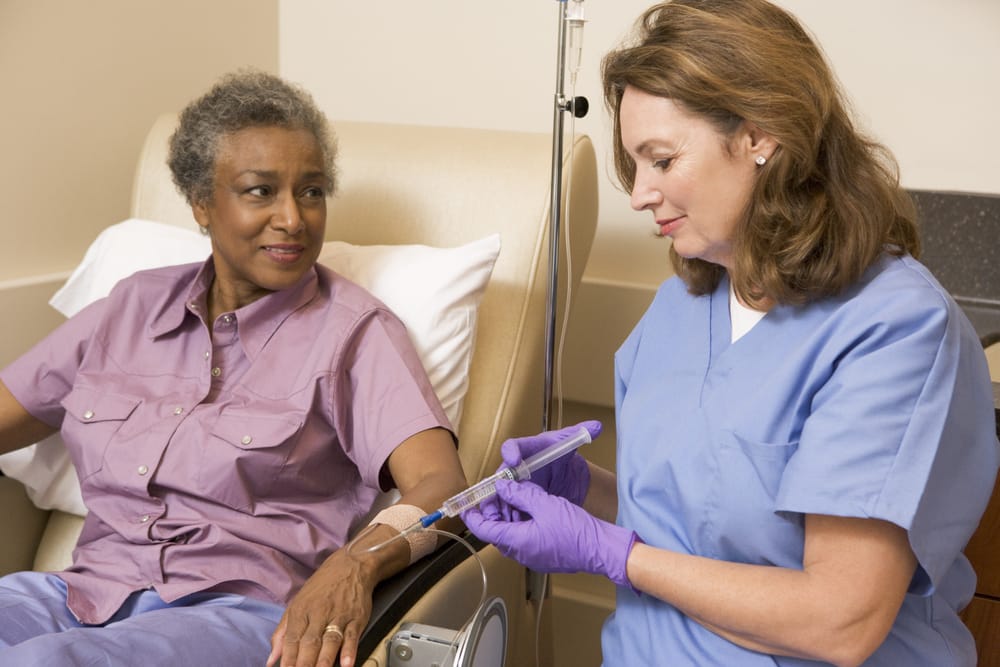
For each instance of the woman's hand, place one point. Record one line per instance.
(555, 535)
(337, 599)
(331, 610)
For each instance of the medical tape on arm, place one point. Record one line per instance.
(401, 517)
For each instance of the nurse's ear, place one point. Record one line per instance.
(758, 144)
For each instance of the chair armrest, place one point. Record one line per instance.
(22, 524)
(394, 596)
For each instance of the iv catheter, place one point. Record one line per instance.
(485, 488)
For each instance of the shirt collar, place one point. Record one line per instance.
(257, 321)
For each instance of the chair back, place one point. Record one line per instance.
(439, 186)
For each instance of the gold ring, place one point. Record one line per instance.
(333, 629)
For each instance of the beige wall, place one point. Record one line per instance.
(82, 83)
(922, 75)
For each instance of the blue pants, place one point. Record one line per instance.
(36, 628)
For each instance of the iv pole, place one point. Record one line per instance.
(537, 582)
(578, 107)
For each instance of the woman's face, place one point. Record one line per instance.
(267, 214)
(696, 188)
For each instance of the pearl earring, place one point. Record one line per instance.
(760, 160)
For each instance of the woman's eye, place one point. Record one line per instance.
(314, 192)
(663, 163)
(260, 191)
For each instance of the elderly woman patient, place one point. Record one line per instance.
(229, 421)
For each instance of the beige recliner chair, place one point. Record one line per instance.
(438, 187)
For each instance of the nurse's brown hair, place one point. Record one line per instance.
(827, 202)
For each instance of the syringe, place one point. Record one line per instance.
(485, 488)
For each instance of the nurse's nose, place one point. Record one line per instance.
(643, 195)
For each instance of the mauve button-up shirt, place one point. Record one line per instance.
(235, 462)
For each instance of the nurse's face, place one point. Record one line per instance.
(695, 181)
(267, 214)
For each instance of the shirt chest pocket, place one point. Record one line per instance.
(93, 420)
(745, 524)
(243, 455)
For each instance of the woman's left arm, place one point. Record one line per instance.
(427, 471)
(838, 608)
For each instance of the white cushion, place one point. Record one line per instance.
(434, 291)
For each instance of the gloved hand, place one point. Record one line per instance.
(569, 476)
(557, 536)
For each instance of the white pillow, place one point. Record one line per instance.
(121, 250)
(434, 291)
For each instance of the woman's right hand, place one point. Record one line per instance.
(567, 477)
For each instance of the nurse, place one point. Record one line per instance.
(806, 435)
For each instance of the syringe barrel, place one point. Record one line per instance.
(541, 459)
(479, 491)
(486, 487)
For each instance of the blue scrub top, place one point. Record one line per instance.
(875, 404)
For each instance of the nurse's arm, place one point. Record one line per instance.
(602, 494)
(17, 427)
(838, 608)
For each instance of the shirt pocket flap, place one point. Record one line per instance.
(92, 406)
(247, 431)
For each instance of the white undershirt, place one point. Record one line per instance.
(742, 317)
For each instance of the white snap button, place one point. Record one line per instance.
(246, 440)
(216, 372)
(89, 414)
(144, 518)
(178, 410)
(142, 470)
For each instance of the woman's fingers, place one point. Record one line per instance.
(277, 640)
(331, 641)
(349, 647)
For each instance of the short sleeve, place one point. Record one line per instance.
(42, 376)
(624, 360)
(904, 428)
(382, 395)
(626, 353)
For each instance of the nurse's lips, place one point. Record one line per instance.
(667, 227)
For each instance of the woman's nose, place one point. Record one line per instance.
(643, 196)
(287, 215)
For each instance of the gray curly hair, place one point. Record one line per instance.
(247, 98)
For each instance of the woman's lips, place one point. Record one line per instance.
(284, 254)
(667, 227)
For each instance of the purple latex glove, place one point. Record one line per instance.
(568, 477)
(557, 536)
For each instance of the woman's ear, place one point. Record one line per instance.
(200, 212)
(760, 143)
